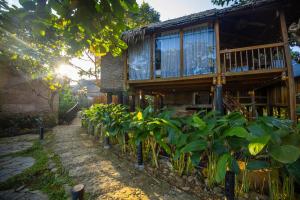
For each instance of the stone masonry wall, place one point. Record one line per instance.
(17, 96)
(112, 73)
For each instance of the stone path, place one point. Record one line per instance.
(11, 166)
(14, 144)
(104, 175)
(23, 194)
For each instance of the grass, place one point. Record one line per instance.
(39, 176)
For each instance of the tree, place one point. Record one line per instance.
(145, 15)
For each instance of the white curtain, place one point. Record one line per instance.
(170, 54)
(139, 60)
(199, 52)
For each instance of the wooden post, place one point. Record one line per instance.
(109, 98)
(291, 80)
(140, 162)
(78, 192)
(120, 98)
(181, 53)
(253, 104)
(219, 89)
(106, 138)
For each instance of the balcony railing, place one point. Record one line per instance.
(261, 57)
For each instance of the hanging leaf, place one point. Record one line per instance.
(285, 153)
(256, 145)
(197, 145)
(221, 167)
(236, 131)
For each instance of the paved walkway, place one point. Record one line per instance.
(15, 144)
(11, 166)
(104, 175)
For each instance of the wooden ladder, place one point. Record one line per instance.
(231, 104)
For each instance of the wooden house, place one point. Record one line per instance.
(235, 58)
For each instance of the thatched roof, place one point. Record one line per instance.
(135, 35)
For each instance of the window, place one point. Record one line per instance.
(199, 53)
(139, 60)
(167, 55)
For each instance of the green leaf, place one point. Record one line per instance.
(198, 123)
(197, 145)
(294, 171)
(255, 165)
(236, 131)
(42, 33)
(256, 130)
(221, 167)
(256, 145)
(285, 153)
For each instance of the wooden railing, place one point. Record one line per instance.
(269, 56)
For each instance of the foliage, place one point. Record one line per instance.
(66, 101)
(266, 143)
(145, 15)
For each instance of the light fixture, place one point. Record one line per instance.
(284, 76)
(214, 80)
(223, 79)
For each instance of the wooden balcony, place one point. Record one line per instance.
(260, 58)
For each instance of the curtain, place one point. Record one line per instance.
(139, 60)
(199, 52)
(169, 45)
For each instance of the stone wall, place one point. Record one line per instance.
(19, 96)
(112, 73)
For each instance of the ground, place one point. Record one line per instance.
(33, 169)
(102, 172)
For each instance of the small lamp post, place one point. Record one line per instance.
(229, 185)
(41, 132)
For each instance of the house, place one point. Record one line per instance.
(235, 58)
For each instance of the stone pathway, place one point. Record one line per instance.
(11, 166)
(23, 194)
(15, 144)
(104, 175)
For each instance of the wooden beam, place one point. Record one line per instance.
(152, 41)
(291, 80)
(253, 47)
(218, 57)
(181, 53)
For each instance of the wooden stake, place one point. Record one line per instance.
(78, 192)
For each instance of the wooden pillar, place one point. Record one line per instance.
(132, 103)
(218, 89)
(120, 98)
(253, 104)
(109, 98)
(288, 59)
